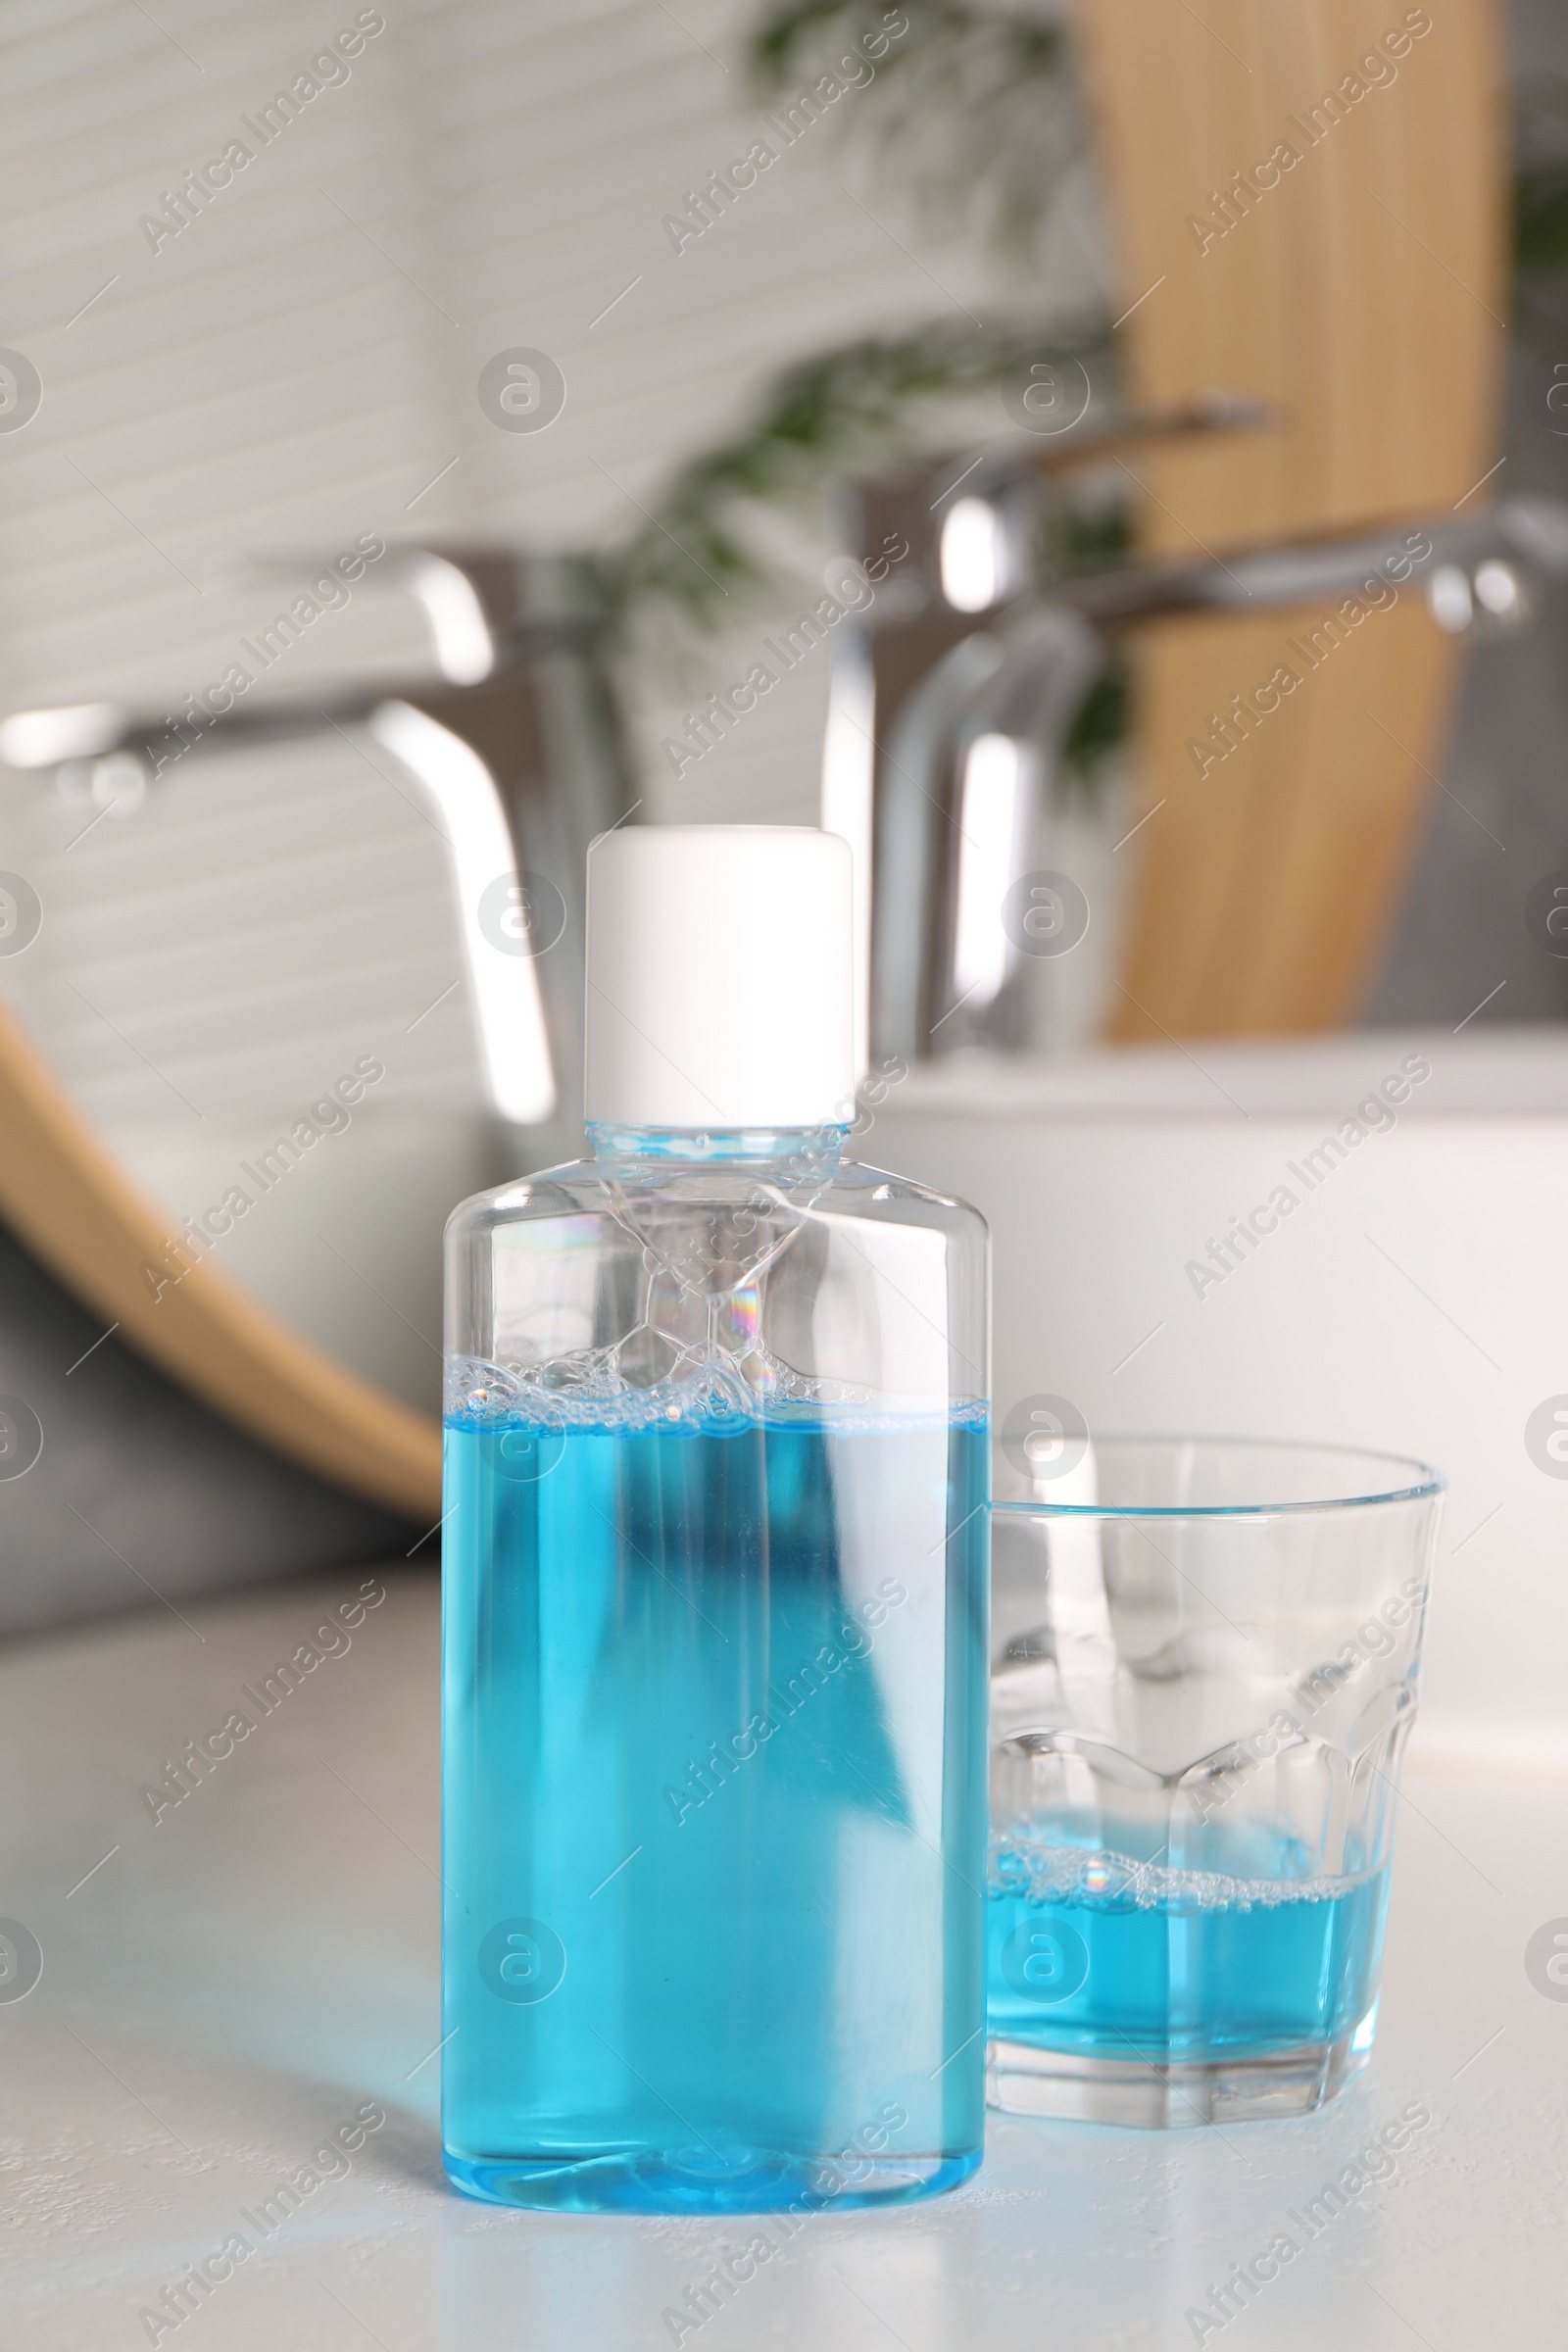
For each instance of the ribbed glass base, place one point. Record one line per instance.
(693, 2180)
(1069, 2087)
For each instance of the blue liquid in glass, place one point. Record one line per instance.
(715, 1703)
(1235, 1952)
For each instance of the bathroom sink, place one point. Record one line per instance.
(1413, 1294)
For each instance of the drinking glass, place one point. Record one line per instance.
(1203, 1670)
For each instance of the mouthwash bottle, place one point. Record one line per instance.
(716, 1594)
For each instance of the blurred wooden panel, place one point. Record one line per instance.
(1362, 295)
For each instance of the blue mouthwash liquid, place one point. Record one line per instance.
(714, 1726)
(1235, 1952)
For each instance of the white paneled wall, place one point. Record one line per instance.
(295, 367)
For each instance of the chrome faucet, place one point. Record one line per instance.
(513, 738)
(972, 727)
(966, 682)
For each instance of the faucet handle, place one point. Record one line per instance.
(467, 598)
(1102, 433)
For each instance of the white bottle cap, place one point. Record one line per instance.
(721, 977)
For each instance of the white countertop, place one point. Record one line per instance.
(1510, 1070)
(231, 1985)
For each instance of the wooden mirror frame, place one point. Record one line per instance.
(1362, 296)
(63, 1195)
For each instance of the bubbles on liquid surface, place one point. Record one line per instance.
(1024, 1860)
(714, 1394)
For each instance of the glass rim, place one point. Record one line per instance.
(1426, 1483)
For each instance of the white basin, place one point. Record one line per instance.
(1415, 1297)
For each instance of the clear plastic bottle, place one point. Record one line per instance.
(716, 1594)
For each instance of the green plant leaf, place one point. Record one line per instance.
(862, 410)
(974, 109)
